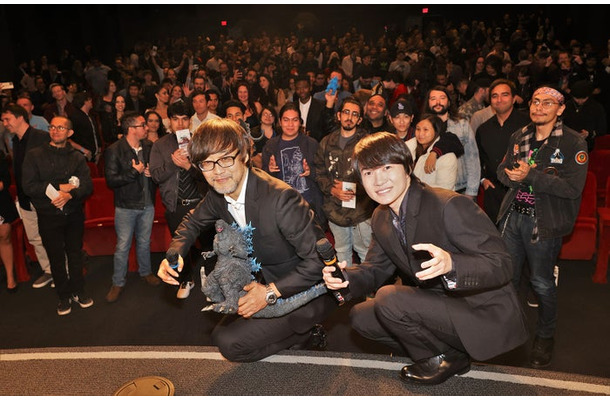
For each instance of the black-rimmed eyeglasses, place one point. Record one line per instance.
(224, 162)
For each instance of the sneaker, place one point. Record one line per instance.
(64, 307)
(185, 290)
(83, 300)
(43, 281)
(152, 280)
(113, 294)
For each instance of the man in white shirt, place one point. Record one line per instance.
(200, 104)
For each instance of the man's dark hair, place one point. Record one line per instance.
(80, 99)
(128, 120)
(452, 109)
(198, 92)
(352, 100)
(303, 78)
(212, 91)
(134, 83)
(291, 106)
(178, 108)
(219, 135)
(234, 103)
(17, 111)
(379, 149)
(502, 81)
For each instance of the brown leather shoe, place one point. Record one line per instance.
(113, 294)
(152, 280)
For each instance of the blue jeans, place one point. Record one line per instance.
(126, 222)
(541, 257)
(351, 238)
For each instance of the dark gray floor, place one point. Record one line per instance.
(152, 316)
(198, 371)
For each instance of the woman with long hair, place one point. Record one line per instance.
(269, 94)
(156, 130)
(262, 133)
(253, 108)
(176, 94)
(111, 121)
(162, 96)
(427, 133)
(105, 104)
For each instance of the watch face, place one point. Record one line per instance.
(271, 298)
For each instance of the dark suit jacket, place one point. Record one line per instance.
(316, 122)
(284, 237)
(483, 306)
(84, 133)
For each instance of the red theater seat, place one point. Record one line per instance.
(580, 244)
(603, 248)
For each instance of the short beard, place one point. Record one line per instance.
(441, 112)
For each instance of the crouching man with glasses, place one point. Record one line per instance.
(284, 239)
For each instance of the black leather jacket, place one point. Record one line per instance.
(126, 181)
(557, 179)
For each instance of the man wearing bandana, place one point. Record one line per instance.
(545, 168)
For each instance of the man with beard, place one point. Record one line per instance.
(544, 168)
(283, 240)
(57, 180)
(346, 205)
(375, 112)
(469, 168)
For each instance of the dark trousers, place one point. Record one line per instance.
(412, 319)
(62, 236)
(541, 257)
(205, 239)
(252, 339)
(492, 199)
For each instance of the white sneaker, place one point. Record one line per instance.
(185, 290)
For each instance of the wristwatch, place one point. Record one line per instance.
(270, 296)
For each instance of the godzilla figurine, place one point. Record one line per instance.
(235, 268)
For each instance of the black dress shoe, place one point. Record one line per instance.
(437, 369)
(542, 352)
(316, 340)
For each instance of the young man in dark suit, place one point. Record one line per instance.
(284, 239)
(456, 300)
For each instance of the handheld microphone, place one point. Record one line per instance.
(329, 256)
(172, 258)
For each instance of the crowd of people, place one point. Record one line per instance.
(507, 110)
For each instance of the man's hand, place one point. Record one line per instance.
(167, 274)
(519, 174)
(138, 166)
(330, 98)
(430, 165)
(273, 165)
(180, 159)
(253, 301)
(66, 187)
(331, 282)
(147, 171)
(306, 170)
(440, 263)
(61, 200)
(338, 192)
(487, 184)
